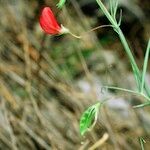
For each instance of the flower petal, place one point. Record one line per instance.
(48, 22)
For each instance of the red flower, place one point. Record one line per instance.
(49, 23)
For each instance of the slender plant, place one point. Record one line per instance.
(142, 87)
(89, 117)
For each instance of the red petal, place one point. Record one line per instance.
(48, 22)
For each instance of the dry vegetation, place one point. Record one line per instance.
(47, 82)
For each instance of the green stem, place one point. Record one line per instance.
(129, 91)
(142, 105)
(130, 55)
(145, 66)
(135, 68)
(107, 14)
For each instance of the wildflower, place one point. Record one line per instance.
(49, 23)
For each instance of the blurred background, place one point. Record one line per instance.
(47, 82)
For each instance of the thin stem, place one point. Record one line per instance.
(102, 26)
(129, 91)
(145, 66)
(76, 36)
(121, 89)
(122, 38)
(135, 68)
(105, 11)
(142, 141)
(93, 29)
(142, 105)
(130, 55)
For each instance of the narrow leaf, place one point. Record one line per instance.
(120, 18)
(88, 118)
(115, 8)
(142, 105)
(145, 66)
(111, 7)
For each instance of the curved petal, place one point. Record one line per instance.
(48, 22)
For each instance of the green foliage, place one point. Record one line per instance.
(89, 118)
(142, 141)
(61, 3)
(142, 86)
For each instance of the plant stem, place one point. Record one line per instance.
(142, 105)
(129, 91)
(130, 55)
(76, 36)
(145, 66)
(116, 27)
